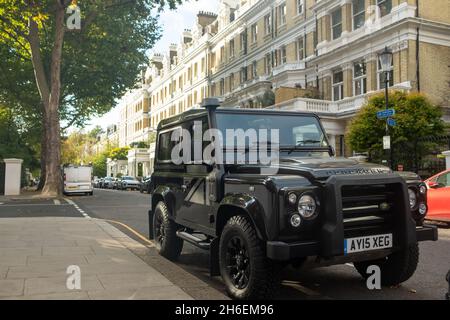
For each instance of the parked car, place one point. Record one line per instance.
(116, 183)
(108, 183)
(439, 196)
(100, 183)
(312, 208)
(145, 185)
(95, 182)
(128, 182)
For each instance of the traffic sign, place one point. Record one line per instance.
(391, 122)
(385, 114)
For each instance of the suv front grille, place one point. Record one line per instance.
(368, 209)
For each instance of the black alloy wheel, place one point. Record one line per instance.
(238, 262)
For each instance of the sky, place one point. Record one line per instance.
(173, 23)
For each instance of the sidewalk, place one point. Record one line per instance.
(36, 252)
(25, 194)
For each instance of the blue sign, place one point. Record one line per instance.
(385, 114)
(391, 122)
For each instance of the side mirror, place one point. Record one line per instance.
(433, 185)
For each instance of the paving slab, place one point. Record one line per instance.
(146, 293)
(11, 288)
(13, 260)
(53, 296)
(56, 260)
(3, 272)
(36, 253)
(55, 285)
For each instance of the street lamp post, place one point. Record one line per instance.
(385, 59)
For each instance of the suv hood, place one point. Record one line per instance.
(318, 168)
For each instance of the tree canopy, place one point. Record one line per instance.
(416, 119)
(119, 153)
(72, 74)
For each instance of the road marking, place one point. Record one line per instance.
(137, 234)
(56, 202)
(83, 213)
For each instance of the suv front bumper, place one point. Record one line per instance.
(282, 251)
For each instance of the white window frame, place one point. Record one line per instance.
(254, 32)
(300, 7)
(282, 12)
(360, 78)
(254, 69)
(381, 2)
(336, 24)
(244, 74)
(268, 63)
(283, 55)
(268, 24)
(337, 85)
(232, 48)
(355, 14)
(300, 48)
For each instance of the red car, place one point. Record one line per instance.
(439, 196)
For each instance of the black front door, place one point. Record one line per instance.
(196, 207)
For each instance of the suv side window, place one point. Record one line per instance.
(192, 126)
(166, 145)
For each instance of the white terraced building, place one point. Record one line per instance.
(314, 55)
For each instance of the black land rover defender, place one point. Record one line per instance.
(312, 209)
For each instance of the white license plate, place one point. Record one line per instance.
(369, 243)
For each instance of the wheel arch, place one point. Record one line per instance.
(164, 194)
(241, 204)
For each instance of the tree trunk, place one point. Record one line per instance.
(53, 179)
(50, 95)
(43, 161)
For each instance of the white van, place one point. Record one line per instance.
(77, 179)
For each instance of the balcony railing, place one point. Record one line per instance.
(322, 106)
(288, 67)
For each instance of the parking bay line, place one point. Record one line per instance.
(137, 234)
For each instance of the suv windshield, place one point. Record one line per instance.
(297, 134)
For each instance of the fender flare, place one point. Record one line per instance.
(165, 194)
(247, 203)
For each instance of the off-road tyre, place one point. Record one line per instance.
(168, 244)
(261, 273)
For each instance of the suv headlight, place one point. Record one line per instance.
(307, 206)
(412, 198)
